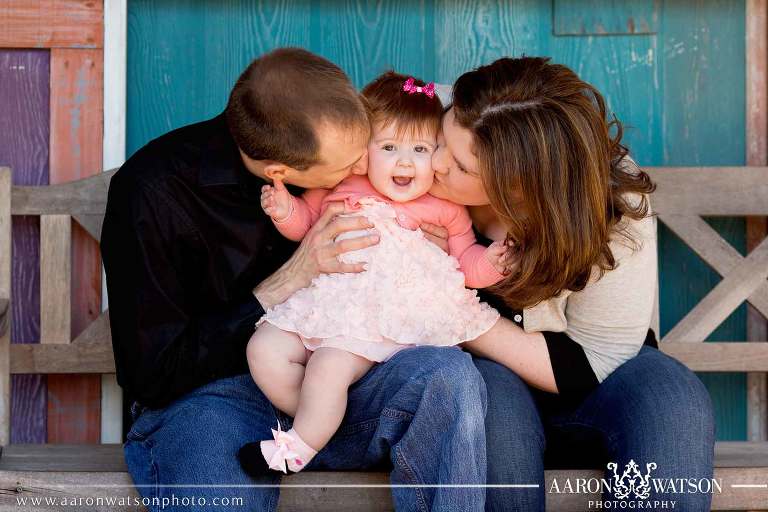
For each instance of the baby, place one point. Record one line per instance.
(307, 351)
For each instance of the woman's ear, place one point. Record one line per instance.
(275, 171)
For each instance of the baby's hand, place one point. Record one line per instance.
(498, 254)
(276, 201)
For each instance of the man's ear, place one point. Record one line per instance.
(275, 171)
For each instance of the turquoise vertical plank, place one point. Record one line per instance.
(185, 55)
(679, 92)
(470, 33)
(624, 70)
(369, 37)
(702, 83)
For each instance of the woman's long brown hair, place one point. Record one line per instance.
(554, 173)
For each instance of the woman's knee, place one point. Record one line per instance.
(664, 405)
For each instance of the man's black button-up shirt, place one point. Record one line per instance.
(184, 242)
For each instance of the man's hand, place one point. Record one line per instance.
(438, 235)
(276, 201)
(318, 253)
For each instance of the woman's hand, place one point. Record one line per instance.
(318, 253)
(276, 201)
(438, 235)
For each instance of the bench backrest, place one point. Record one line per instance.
(683, 196)
(85, 201)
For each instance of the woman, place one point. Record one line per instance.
(527, 146)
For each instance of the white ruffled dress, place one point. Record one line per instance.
(412, 293)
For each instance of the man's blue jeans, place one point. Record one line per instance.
(652, 409)
(421, 413)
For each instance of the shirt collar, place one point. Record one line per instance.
(221, 163)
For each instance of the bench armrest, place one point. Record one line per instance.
(4, 314)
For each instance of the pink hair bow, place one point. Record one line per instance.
(411, 88)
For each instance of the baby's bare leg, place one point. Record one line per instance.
(323, 399)
(277, 359)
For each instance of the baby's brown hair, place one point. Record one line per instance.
(413, 112)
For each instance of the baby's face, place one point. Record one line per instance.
(400, 167)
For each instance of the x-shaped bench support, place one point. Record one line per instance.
(743, 278)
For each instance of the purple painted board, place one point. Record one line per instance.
(24, 137)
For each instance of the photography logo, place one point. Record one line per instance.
(632, 488)
(632, 483)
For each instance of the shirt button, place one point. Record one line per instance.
(518, 318)
(269, 247)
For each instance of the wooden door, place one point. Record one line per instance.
(672, 71)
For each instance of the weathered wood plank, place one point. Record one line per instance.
(713, 249)
(24, 125)
(724, 298)
(97, 357)
(5, 296)
(83, 197)
(109, 458)
(719, 356)
(74, 408)
(77, 124)
(324, 498)
(111, 409)
(5, 305)
(97, 332)
(91, 224)
(51, 23)
(115, 92)
(757, 228)
(598, 17)
(89, 353)
(62, 358)
(717, 191)
(27, 484)
(55, 278)
(757, 82)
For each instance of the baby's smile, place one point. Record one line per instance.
(402, 181)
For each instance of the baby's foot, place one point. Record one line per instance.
(286, 452)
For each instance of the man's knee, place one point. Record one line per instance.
(450, 375)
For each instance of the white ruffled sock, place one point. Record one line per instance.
(301, 452)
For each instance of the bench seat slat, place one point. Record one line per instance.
(44, 470)
(109, 457)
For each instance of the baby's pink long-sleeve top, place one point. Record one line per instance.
(478, 270)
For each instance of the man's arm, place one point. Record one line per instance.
(163, 348)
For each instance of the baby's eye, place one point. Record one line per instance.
(388, 147)
(421, 149)
(461, 168)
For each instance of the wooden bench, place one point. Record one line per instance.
(684, 194)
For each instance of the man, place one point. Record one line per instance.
(192, 262)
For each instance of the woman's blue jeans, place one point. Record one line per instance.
(419, 414)
(652, 409)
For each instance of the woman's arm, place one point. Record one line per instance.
(524, 353)
(475, 261)
(506, 343)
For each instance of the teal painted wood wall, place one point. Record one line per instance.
(673, 71)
